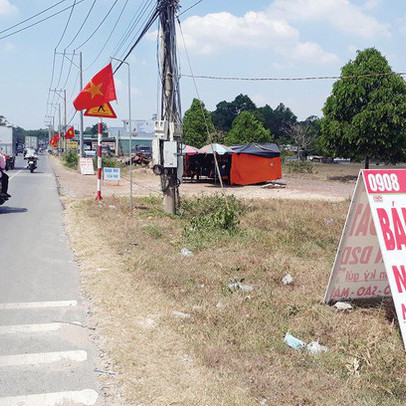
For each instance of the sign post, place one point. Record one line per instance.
(371, 258)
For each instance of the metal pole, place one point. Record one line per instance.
(99, 159)
(130, 133)
(82, 153)
(60, 130)
(65, 124)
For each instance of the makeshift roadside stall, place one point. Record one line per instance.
(191, 162)
(208, 165)
(255, 163)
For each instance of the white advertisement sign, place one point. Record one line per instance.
(371, 259)
(112, 174)
(86, 166)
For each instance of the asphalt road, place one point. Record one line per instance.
(46, 357)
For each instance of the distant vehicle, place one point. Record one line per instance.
(31, 142)
(20, 149)
(143, 150)
(8, 142)
(106, 151)
(89, 153)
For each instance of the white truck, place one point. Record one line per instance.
(8, 144)
(31, 142)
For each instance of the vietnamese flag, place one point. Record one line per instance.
(70, 134)
(55, 140)
(98, 91)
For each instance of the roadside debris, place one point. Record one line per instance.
(103, 371)
(181, 315)
(186, 253)
(343, 306)
(294, 342)
(237, 285)
(313, 347)
(329, 221)
(287, 279)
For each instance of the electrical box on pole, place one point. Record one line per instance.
(167, 147)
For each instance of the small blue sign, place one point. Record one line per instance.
(112, 174)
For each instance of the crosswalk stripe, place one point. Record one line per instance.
(30, 328)
(36, 305)
(42, 358)
(86, 397)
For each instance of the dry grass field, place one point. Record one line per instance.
(177, 330)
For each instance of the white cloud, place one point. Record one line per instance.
(7, 8)
(340, 14)
(216, 33)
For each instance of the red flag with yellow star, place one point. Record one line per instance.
(98, 91)
(70, 134)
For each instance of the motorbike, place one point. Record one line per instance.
(32, 164)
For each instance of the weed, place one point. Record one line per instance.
(71, 159)
(299, 167)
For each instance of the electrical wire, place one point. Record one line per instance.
(83, 23)
(98, 27)
(130, 29)
(32, 17)
(144, 31)
(67, 24)
(367, 75)
(192, 6)
(41, 21)
(108, 38)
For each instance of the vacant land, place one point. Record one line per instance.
(208, 328)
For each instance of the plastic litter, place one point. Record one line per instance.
(237, 285)
(343, 306)
(103, 371)
(294, 342)
(185, 252)
(315, 348)
(287, 279)
(181, 315)
(329, 221)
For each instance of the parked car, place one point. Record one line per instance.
(143, 150)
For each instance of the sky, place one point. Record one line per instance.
(224, 38)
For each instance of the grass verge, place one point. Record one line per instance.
(178, 334)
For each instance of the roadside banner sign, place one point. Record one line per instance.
(371, 259)
(111, 174)
(101, 111)
(86, 166)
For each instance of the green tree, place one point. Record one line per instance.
(226, 112)
(365, 116)
(95, 129)
(196, 122)
(247, 128)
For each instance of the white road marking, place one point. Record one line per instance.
(12, 176)
(30, 328)
(86, 397)
(34, 305)
(42, 358)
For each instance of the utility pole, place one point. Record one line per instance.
(82, 151)
(166, 146)
(65, 122)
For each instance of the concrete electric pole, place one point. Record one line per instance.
(167, 154)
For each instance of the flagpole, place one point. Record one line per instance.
(99, 159)
(130, 132)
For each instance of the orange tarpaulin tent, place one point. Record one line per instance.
(255, 163)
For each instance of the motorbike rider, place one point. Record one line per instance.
(31, 154)
(3, 177)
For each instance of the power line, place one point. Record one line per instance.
(367, 75)
(144, 31)
(67, 23)
(84, 22)
(41, 21)
(192, 6)
(98, 27)
(32, 17)
(111, 33)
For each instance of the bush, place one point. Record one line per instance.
(299, 167)
(71, 159)
(212, 219)
(108, 162)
